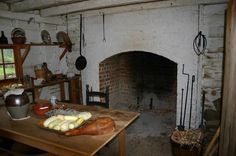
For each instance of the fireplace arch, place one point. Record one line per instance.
(140, 80)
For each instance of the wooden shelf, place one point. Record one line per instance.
(31, 44)
(28, 46)
(74, 89)
(20, 57)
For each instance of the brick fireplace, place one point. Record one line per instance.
(145, 82)
(140, 80)
(142, 63)
(142, 58)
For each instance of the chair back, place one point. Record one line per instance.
(96, 98)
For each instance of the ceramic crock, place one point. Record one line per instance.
(17, 105)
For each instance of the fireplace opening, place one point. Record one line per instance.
(144, 82)
(140, 81)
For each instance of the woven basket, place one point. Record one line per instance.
(40, 73)
(186, 143)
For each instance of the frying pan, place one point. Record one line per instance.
(81, 61)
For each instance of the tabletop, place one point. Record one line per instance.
(28, 132)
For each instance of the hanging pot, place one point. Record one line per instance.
(81, 61)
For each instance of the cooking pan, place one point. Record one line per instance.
(81, 61)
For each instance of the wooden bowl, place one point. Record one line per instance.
(41, 108)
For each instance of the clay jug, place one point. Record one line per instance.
(48, 72)
(3, 39)
(17, 105)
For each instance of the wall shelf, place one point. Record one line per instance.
(28, 46)
(32, 44)
(74, 89)
(20, 57)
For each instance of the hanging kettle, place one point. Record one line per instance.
(81, 61)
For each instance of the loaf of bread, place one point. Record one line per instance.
(101, 125)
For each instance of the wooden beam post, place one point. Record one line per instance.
(26, 52)
(228, 122)
(18, 62)
(63, 53)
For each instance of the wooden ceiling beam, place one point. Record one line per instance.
(102, 4)
(27, 17)
(28, 5)
(89, 5)
(62, 7)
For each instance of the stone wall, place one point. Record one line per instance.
(213, 24)
(165, 31)
(168, 32)
(38, 54)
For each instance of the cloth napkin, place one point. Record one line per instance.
(17, 91)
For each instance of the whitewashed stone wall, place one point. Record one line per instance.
(38, 54)
(213, 24)
(33, 34)
(168, 32)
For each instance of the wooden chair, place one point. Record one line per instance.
(95, 98)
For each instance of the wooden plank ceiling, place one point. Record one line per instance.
(60, 7)
(48, 8)
(29, 5)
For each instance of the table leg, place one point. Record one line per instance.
(121, 138)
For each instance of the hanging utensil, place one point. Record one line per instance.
(202, 126)
(200, 41)
(191, 102)
(186, 97)
(180, 126)
(103, 27)
(81, 61)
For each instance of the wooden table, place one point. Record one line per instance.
(28, 132)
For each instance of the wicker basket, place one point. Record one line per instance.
(40, 73)
(186, 143)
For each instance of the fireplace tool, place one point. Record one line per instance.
(186, 97)
(151, 104)
(200, 41)
(191, 102)
(103, 27)
(180, 126)
(202, 126)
